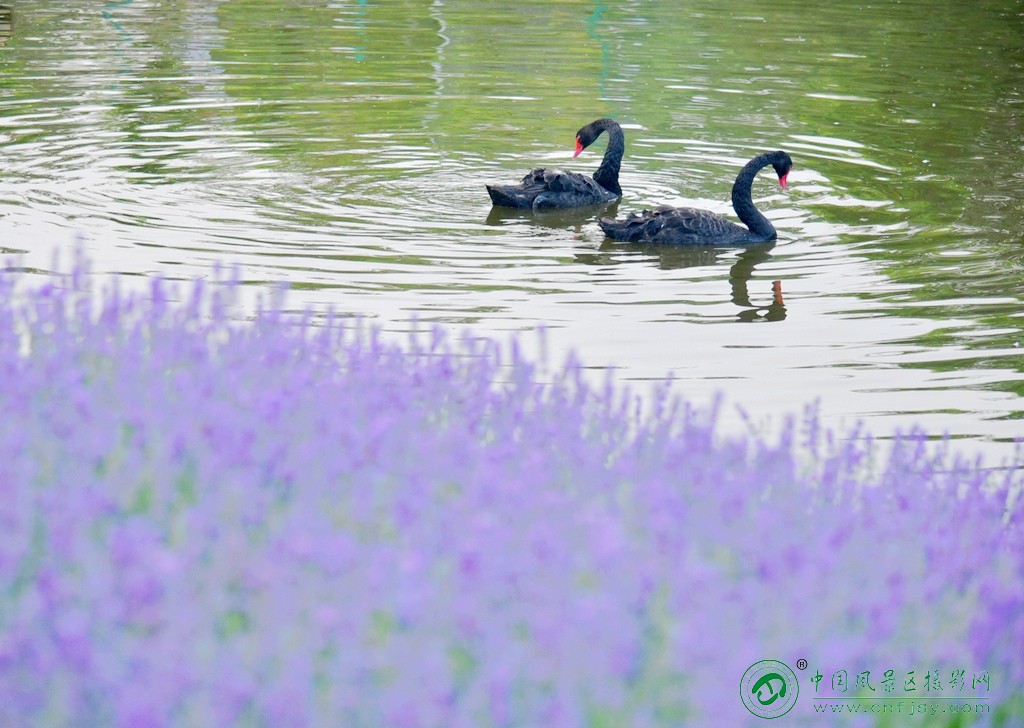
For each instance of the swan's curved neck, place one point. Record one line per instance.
(742, 201)
(607, 175)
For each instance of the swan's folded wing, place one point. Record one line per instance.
(558, 180)
(535, 182)
(635, 228)
(535, 176)
(553, 179)
(684, 222)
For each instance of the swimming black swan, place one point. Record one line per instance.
(545, 189)
(687, 226)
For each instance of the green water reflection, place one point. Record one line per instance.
(343, 147)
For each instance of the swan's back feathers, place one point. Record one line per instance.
(521, 195)
(676, 226)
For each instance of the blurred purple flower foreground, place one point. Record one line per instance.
(273, 523)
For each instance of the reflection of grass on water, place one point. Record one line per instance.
(274, 523)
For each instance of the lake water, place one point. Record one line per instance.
(343, 147)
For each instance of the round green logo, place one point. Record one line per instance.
(769, 689)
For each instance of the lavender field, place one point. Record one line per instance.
(289, 522)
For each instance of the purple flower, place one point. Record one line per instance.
(297, 521)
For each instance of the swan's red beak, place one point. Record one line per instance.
(782, 180)
(579, 148)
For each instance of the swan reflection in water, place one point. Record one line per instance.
(671, 257)
(572, 218)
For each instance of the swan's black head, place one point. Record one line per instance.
(782, 164)
(588, 134)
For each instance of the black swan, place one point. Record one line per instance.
(687, 226)
(545, 189)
